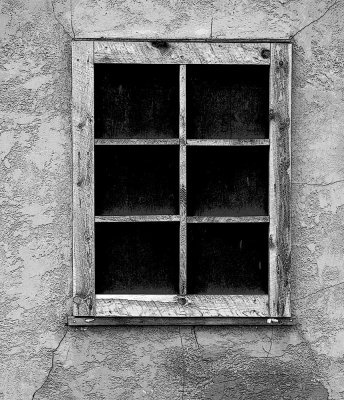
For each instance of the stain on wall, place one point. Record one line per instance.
(43, 359)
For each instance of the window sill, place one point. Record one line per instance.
(220, 321)
(182, 306)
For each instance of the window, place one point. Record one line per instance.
(181, 182)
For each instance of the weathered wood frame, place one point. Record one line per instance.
(186, 309)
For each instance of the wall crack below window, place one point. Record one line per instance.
(52, 365)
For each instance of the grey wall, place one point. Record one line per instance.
(40, 357)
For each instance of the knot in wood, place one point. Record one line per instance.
(77, 300)
(81, 124)
(160, 44)
(265, 53)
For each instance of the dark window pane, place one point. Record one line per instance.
(136, 180)
(227, 181)
(227, 101)
(227, 259)
(137, 258)
(136, 101)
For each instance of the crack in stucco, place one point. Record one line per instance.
(71, 18)
(224, 390)
(273, 356)
(52, 365)
(317, 184)
(314, 21)
(318, 291)
(183, 375)
(59, 22)
(271, 340)
(308, 344)
(195, 336)
(211, 27)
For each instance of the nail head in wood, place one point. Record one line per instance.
(182, 300)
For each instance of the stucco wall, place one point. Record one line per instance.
(43, 359)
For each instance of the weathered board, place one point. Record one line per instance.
(228, 142)
(182, 306)
(229, 220)
(191, 321)
(137, 218)
(83, 179)
(181, 53)
(135, 142)
(280, 174)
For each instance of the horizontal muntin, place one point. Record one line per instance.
(228, 142)
(233, 220)
(135, 142)
(137, 218)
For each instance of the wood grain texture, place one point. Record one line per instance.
(83, 179)
(180, 53)
(135, 142)
(163, 307)
(182, 180)
(137, 218)
(182, 306)
(228, 220)
(279, 185)
(158, 321)
(228, 142)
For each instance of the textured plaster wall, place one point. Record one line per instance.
(40, 357)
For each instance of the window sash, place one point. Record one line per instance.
(86, 302)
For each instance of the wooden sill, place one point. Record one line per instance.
(158, 321)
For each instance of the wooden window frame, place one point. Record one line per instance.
(92, 309)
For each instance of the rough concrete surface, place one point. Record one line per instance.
(43, 359)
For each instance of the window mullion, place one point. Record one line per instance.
(182, 179)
